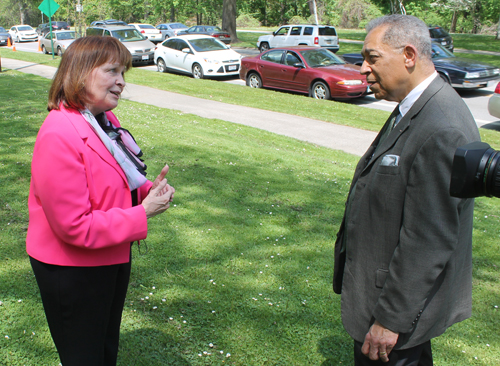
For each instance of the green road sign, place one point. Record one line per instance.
(48, 7)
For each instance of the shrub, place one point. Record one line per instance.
(247, 21)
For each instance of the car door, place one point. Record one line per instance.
(270, 68)
(184, 60)
(170, 53)
(293, 38)
(293, 76)
(280, 37)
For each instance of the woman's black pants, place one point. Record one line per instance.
(83, 306)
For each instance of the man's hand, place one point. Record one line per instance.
(379, 342)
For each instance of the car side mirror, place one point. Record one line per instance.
(186, 50)
(299, 65)
(274, 34)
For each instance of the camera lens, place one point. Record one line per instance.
(476, 171)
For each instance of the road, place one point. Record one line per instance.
(476, 100)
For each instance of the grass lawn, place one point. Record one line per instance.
(238, 271)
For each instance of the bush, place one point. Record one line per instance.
(247, 21)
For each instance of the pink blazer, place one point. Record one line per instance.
(80, 205)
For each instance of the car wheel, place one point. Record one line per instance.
(160, 65)
(254, 80)
(445, 78)
(197, 71)
(320, 90)
(44, 50)
(264, 46)
(59, 52)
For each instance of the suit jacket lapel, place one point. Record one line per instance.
(93, 141)
(405, 122)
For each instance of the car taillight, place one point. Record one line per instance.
(142, 31)
(216, 35)
(497, 89)
(316, 40)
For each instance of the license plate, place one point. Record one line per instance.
(222, 37)
(3, 41)
(145, 57)
(232, 67)
(328, 41)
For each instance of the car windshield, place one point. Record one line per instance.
(24, 28)
(146, 26)
(66, 35)
(2, 29)
(438, 33)
(440, 52)
(319, 58)
(207, 44)
(128, 35)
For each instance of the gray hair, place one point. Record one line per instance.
(403, 30)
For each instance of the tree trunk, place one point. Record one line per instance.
(229, 19)
(498, 30)
(454, 19)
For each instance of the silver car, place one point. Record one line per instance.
(494, 103)
(141, 49)
(170, 29)
(60, 39)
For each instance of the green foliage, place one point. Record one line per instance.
(296, 19)
(246, 21)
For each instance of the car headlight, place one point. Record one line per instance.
(471, 75)
(496, 71)
(350, 82)
(210, 61)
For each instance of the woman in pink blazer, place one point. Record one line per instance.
(89, 200)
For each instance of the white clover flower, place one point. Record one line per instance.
(155, 307)
(228, 355)
(211, 345)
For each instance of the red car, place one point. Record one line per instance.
(311, 70)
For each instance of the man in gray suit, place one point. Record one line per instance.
(403, 256)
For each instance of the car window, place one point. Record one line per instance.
(321, 57)
(181, 44)
(291, 59)
(327, 31)
(48, 36)
(273, 56)
(295, 31)
(308, 31)
(283, 31)
(66, 35)
(177, 26)
(170, 43)
(108, 34)
(438, 51)
(128, 35)
(438, 33)
(2, 29)
(207, 44)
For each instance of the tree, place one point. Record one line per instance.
(229, 19)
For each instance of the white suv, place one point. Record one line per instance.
(294, 35)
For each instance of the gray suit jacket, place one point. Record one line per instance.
(408, 256)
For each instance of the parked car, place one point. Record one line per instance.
(305, 69)
(199, 55)
(20, 33)
(441, 36)
(210, 30)
(460, 72)
(148, 31)
(170, 29)
(297, 35)
(494, 103)
(107, 22)
(4, 37)
(40, 27)
(62, 39)
(56, 25)
(142, 50)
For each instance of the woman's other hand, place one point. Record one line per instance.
(159, 198)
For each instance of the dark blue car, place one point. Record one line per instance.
(460, 72)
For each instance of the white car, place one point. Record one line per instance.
(301, 35)
(149, 31)
(60, 39)
(21, 33)
(199, 55)
(494, 102)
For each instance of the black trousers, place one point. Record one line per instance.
(83, 306)
(420, 355)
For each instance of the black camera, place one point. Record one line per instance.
(476, 171)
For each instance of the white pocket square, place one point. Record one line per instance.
(390, 160)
